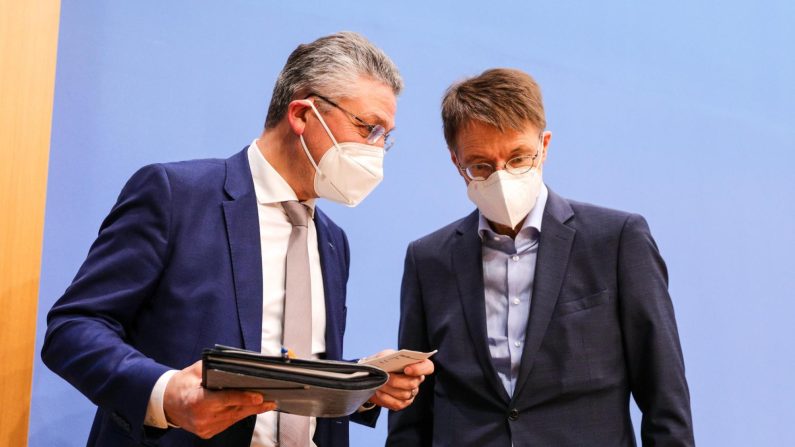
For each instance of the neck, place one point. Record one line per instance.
(283, 151)
(505, 230)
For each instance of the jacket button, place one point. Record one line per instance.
(513, 414)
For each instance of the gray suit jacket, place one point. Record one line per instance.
(601, 327)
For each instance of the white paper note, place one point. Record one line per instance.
(396, 361)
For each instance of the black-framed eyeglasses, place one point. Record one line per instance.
(375, 131)
(515, 166)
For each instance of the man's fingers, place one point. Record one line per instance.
(422, 368)
(207, 412)
(385, 400)
(228, 398)
(404, 382)
(237, 413)
(242, 412)
(254, 398)
(398, 393)
(208, 424)
(206, 430)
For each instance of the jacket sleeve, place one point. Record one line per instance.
(651, 341)
(88, 328)
(413, 426)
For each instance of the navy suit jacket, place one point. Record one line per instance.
(601, 327)
(175, 269)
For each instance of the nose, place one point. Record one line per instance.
(500, 165)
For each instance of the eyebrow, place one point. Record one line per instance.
(375, 118)
(518, 150)
(476, 159)
(522, 149)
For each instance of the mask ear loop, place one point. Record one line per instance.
(325, 127)
(308, 155)
(539, 156)
(320, 118)
(309, 103)
(333, 140)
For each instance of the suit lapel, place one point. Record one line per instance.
(553, 257)
(333, 286)
(242, 230)
(468, 267)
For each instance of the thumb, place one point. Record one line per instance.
(194, 369)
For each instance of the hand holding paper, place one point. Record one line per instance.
(395, 361)
(407, 371)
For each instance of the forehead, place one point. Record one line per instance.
(373, 101)
(479, 140)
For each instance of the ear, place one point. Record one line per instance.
(547, 138)
(298, 112)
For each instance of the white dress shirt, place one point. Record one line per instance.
(274, 228)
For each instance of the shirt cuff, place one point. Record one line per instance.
(155, 414)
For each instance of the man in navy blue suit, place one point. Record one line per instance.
(213, 251)
(548, 314)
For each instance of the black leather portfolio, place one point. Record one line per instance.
(321, 388)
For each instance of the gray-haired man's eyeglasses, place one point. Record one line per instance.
(376, 131)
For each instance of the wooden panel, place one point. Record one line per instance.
(28, 42)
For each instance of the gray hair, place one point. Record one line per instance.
(330, 64)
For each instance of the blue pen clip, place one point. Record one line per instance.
(287, 355)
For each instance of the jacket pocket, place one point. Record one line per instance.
(569, 307)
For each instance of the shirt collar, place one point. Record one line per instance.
(269, 186)
(533, 219)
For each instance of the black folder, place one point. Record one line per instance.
(321, 388)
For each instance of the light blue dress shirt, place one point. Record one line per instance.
(508, 275)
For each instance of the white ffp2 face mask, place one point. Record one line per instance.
(506, 198)
(348, 171)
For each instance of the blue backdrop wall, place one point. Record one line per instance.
(682, 112)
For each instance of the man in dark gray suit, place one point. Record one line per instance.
(547, 313)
